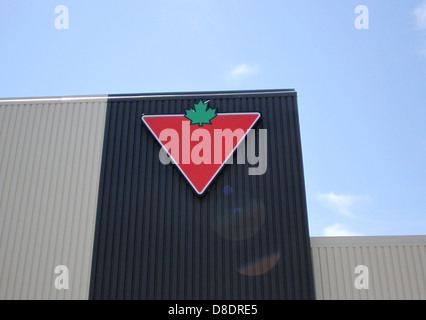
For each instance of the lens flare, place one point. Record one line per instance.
(241, 221)
(260, 266)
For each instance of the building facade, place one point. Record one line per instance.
(89, 211)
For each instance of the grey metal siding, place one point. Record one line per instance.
(49, 171)
(396, 267)
(155, 239)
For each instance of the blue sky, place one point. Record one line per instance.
(361, 93)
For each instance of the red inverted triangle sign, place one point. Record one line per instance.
(200, 152)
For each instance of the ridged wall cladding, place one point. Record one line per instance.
(396, 267)
(156, 239)
(50, 160)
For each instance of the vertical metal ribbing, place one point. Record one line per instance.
(396, 267)
(49, 168)
(155, 239)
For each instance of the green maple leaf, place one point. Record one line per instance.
(200, 114)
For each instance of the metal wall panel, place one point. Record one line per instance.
(155, 239)
(396, 267)
(50, 157)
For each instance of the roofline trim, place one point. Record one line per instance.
(143, 95)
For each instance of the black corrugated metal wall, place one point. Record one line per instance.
(156, 239)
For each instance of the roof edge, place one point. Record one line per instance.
(195, 93)
(263, 92)
(54, 99)
(368, 240)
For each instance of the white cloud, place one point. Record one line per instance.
(338, 230)
(420, 13)
(338, 203)
(243, 70)
(341, 203)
